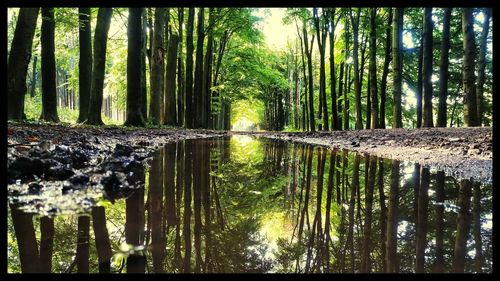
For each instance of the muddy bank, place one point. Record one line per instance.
(461, 152)
(45, 161)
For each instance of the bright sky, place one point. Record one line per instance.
(275, 32)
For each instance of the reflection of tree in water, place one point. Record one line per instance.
(204, 210)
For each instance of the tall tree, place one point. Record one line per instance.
(321, 33)
(157, 66)
(99, 64)
(385, 71)
(469, 77)
(180, 72)
(189, 69)
(333, 81)
(373, 69)
(49, 95)
(418, 92)
(134, 111)
(170, 112)
(463, 225)
(355, 55)
(310, 76)
(443, 69)
(85, 62)
(397, 65)
(427, 67)
(481, 64)
(207, 70)
(19, 58)
(198, 71)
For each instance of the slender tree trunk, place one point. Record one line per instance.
(99, 64)
(354, 187)
(357, 82)
(198, 72)
(170, 102)
(427, 67)
(19, 58)
(418, 93)
(144, 46)
(49, 96)
(189, 69)
(84, 63)
(385, 71)
(383, 215)
(481, 64)
(365, 260)
(155, 210)
(373, 70)
(308, 51)
(157, 66)
(321, 36)
(469, 77)
(134, 111)
(180, 72)
(397, 65)
(443, 69)
(339, 102)
(335, 118)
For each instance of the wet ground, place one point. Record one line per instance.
(247, 204)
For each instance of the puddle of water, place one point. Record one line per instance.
(242, 204)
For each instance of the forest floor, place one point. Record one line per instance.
(460, 152)
(46, 152)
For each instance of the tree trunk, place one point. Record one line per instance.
(418, 93)
(335, 117)
(373, 70)
(144, 46)
(155, 210)
(443, 69)
(310, 78)
(385, 71)
(365, 260)
(19, 58)
(469, 77)
(321, 36)
(198, 72)
(427, 67)
(85, 63)
(186, 231)
(357, 82)
(99, 64)
(157, 66)
(49, 96)
(170, 102)
(478, 243)
(481, 64)
(189, 70)
(134, 111)
(439, 263)
(180, 73)
(397, 65)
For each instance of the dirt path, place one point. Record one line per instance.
(461, 152)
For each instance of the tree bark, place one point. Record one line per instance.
(373, 70)
(26, 240)
(198, 72)
(397, 65)
(427, 67)
(134, 111)
(49, 96)
(157, 66)
(443, 69)
(308, 51)
(180, 72)
(321, 37)
(99, 64)
(189, 69)
(481, 64)
(392, 221)
(19, 58)
(84, 63)
(421, 235)
(463, 226)
(102, 243)
(469, 77)
(82, 247)
(170, 102)
(385, 71)
(357, 82)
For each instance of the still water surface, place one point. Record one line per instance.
(243, 204)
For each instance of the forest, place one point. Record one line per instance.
(249, 140)
(343, 68)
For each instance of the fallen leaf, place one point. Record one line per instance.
(32, 138)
